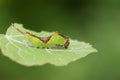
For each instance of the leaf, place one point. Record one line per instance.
(15, 46)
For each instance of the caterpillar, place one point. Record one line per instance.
(56, 39)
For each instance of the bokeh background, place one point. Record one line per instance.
(93, 21)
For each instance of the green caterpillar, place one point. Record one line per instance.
(56, 39)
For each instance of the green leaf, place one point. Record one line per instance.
(15, 46)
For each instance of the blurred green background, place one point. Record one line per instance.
(93, 21)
